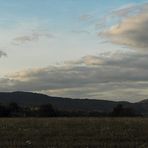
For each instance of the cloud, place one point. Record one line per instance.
(132, 31)
(87, 60)
(33, 36)
(106, 76)
(127, 10)
(2, 54)
(117, 15)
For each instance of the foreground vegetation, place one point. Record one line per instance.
(73, 132)
(47, 110)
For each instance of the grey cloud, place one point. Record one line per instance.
(91, 76)
(2, 53)
(33, 36)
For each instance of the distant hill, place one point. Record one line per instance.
(34, 99)
(144, 101)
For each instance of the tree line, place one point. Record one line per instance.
(47, 110)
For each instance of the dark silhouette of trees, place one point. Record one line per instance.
(46, 111)
(14, 109)
(120, 111)
(4, 112)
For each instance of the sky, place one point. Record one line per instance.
(95, 49)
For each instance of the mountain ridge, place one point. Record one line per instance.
(61, 103)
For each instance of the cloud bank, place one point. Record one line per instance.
(107, 76)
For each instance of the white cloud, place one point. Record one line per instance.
(132, 31)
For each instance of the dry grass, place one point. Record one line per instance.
(74, 132)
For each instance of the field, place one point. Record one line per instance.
(73, 133)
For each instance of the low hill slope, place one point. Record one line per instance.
(34, 99)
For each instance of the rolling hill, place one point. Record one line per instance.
(34, 99)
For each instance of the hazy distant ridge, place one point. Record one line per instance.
(33, 99)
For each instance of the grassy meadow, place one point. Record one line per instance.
(73, 133)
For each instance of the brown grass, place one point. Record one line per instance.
(74, 133)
